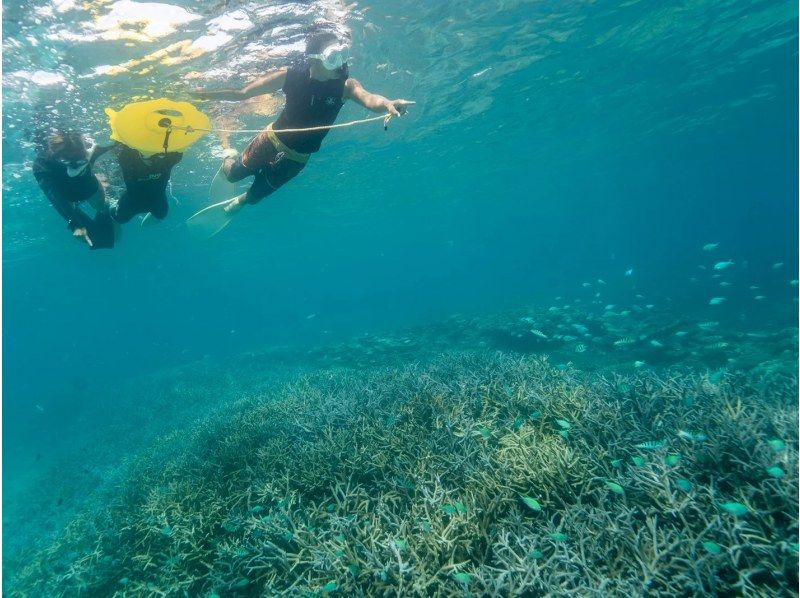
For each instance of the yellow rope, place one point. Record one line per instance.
(385, 117)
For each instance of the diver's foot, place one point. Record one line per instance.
(229, 157)
(234, 205)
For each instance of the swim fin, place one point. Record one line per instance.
(212, 219)
(220, 186)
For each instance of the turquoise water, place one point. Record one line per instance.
(575, 154)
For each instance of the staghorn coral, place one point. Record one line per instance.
(407, 481)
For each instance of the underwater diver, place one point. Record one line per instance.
(63, 169)
(146, 177)
(315, 91)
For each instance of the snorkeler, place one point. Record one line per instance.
(315, 92)
(63, 169)
(146, 178)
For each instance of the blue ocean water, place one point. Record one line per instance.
(552, 144)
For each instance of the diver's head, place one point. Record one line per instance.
(327, 52)
(70, 149)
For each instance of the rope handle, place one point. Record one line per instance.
(384, 117)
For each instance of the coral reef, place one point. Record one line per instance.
(476, 473)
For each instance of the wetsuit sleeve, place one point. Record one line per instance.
(69, 211)
(174, 158)
(100, 150)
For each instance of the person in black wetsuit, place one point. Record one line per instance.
(146, 178)
(315, 92)
(63, 169)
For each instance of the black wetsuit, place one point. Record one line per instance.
(145, 184)
(309, 103)
(65, 193)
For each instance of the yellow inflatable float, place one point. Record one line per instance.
(157, 126)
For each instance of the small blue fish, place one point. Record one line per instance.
(777, 444)
(691, 436)
(723, 265)
(716, 300)
(736, 509)
(652, 445)
(710, 246)
(776, 472)
(629, 272)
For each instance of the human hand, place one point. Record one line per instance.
(397, 107)
(82, 232)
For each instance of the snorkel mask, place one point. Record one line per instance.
(333, 57)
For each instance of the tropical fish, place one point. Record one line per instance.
(609, 307)
(616, 462)
(615, 488)
(777, 265)
(723, 265)
(736, 509)
(672, 459)
(580, 328)
(681, 333)
(629, 272)
(601, 281)
(531, 503)
(725, 283)
(638, 461)
(693, 437)
(776, 472)
(639, 364)
(712, 547)
(719, 345)
(684, 485)
(535, 554)
(623, 342)
(330, 587)
(580, 348)
(777, 444)
(652, 445)
(586, 285)
(462, 577)
(564, 434)
(538, 333)
(753, 287)
(716, 300)
(707, 325)
(793, 282)
(710, 246)
(656, 344)
(400, 544)
(760, 297)
(558, 537)
(563, 424)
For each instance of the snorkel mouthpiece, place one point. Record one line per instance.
(76, 168)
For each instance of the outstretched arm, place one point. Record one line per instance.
(372, 101)
(270, 83)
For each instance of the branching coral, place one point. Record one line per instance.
(413, 481)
